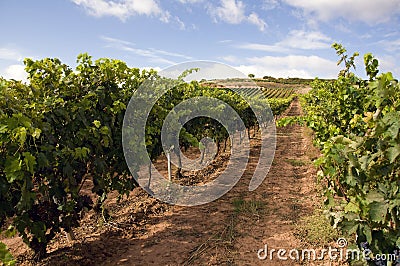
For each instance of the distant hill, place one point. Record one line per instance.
(266, 82)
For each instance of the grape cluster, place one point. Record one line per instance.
(378, 262)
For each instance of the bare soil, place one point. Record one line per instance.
(229, 231)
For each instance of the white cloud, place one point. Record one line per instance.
(389, 63)
(207, 70)
(225, 41)
(391, 46)
(16, 72)
(234, 12)
(181, 24)
(370, 12)
(300, 39)
(263, 47)
(391, 34)
(290, 66)
(124, 8)
(342, 27)
(154, 55)
(366, 36)
(230, 11)
(116, 41)
(229, 58)
(162, 52)
(190, 1)
(10, 54)
(270, 4)
(296, 39)
(255, 19)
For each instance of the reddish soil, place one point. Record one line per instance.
(228, 231)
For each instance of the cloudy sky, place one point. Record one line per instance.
(281, 38)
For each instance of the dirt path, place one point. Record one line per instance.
(267, 215)
(232, 229)
(228, 231)
(288, 193)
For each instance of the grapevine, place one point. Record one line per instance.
(356, 124)
(65, 128)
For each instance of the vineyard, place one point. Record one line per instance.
(63, 166)
(358, 133)
(256, 87)
(270, 92)
(64, 129)
(356, 124)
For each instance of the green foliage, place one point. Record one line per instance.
(356, 125)
(288, 80)
(6, 258)
(56, 131)
(315, 229)
(251, 207)
(65, 127)
(278, 105)
(269, 92)
(348, 62)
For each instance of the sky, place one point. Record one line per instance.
(279, 38)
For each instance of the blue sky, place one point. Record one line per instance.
(280, 38)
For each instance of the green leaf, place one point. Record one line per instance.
(398, 242)
(394, 128)
(97, 123)
(10, 232)
(5, 256)
(393, 153)
(283, 122)
(13, 168)
(3, 129)
(378, 211)
(30, 162)
(20, 134)
(351, 207)
(81, 153)
(42, 160)
(104, 130)
(68, 170)
(36, 133)
(364, 162)
(350, 227)
(27, 198)
(366, 230)
(39, 230)
(105, 142)
(375, 196)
